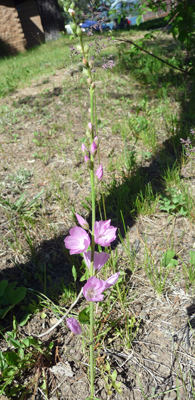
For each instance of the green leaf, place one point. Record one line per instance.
(15, 296)
(139, 19)
(168, 257)
(74, 273)
(15, 343)
(26, 342)
(25, 319)
(3, 285)
(4, 311)
(114, 375)
(84, 316)
(3, 363)
(85, 277)
(12, 358)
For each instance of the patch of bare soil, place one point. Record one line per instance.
(42, 131)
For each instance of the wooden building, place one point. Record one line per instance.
(20, 26)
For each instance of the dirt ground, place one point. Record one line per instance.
(160, 362)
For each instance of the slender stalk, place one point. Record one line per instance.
(93, 219)
(91, 349)
(92, 250)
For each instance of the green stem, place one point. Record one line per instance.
(92, 377)
(92, 252)
(91, 349)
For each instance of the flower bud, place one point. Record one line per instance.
(90, 126)
(73, 27)
(93, 148)
(96, 140)
(79, 31)
(74, 326)
(99, 172)
(91, 64)
(71, 12)
(85, 62)
(84, 149)
(82, 222)
(88, 134)
(89, 81)
(88, 161)
(93, 85)
(86, 48)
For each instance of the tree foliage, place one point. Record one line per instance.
(181, 18)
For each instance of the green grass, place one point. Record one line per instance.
(17, 71)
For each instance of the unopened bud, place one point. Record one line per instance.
(93, 149)
(91, 64)
(85, 150)
(90, 126)
(99, 172)
(86, 48)
(88, 134)
(71, 12)
(73, 27)
(85, 62)
(96, 140)
(79, 31)
(89, 81)
(88, 161)
(93, 85)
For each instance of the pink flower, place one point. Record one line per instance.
(90, 126)
(112, 280)
(82, 222)
(93, 289)
(74, 326)
(99, 259)
(87, 160)
(104, 233)
(78, 241)
(99, 172)
(93, 148)
(96, 140)
(85, 150)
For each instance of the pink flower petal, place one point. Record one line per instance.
(84, 149)
(78, 241)
(99, 259)
(99, 172)
(104, 233)
(82, 222)
(93, 148)
(74, 326)
(93, 289)
(112, 280)
(90, 126)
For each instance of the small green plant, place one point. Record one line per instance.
(22, 176)
(27, 353)
(157, 274)
(174, 203)
(110, 379)
(21, 206)
(10, 296)
(39, 139)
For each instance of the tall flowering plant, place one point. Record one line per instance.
(102, 232)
